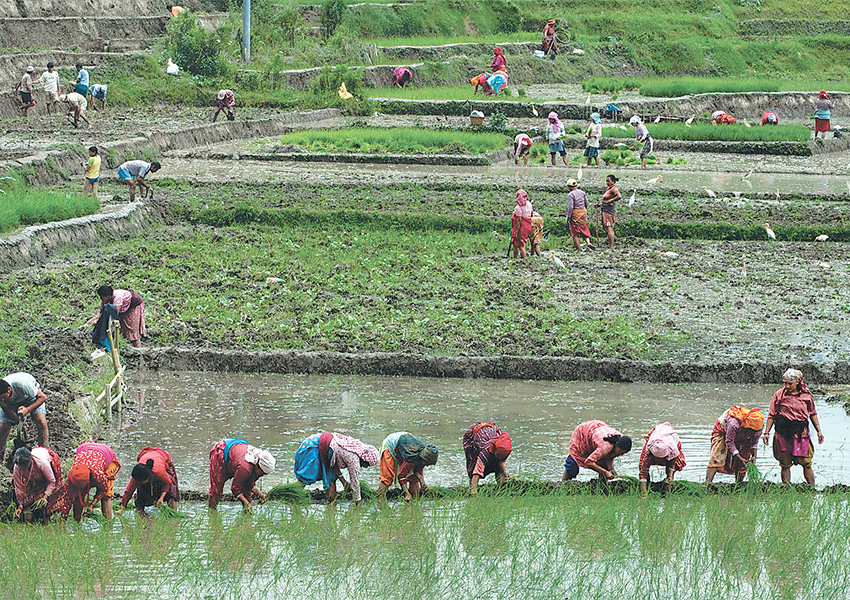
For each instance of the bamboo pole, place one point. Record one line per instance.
(107, 391)
(112, 332)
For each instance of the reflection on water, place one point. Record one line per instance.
(185, 413)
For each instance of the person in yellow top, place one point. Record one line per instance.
(92, 166)
(174, 10)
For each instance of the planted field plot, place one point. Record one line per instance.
(397, 140)
(450, 92)
(442, 40)
(20, 206)
(582, 547)
(717, 133)
(670, 87)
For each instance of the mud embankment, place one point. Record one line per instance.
(498, 367)
(90, 34)
(423, 53)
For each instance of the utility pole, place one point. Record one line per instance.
(246, 30)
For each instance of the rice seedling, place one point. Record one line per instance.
(669, 87)
(722, 133)
(167, 512)
(396, 140)
(441, 40)
(451, 92)
(21, 205)
(292, 493)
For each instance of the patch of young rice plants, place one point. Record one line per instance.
(400, 140)
(21, 205)
(718, 133)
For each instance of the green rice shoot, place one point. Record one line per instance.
(395, 140)
(291, 493)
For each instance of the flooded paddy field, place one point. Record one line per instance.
(776, 546)
(186, 413)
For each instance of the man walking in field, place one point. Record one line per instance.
(25, 88)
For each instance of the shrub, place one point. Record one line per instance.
(331, 78)
(333, 12)
(193, 49)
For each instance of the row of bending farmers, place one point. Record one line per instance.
(41, 490)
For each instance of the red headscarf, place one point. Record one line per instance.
(823, 94)
(498, 50)
(501, 446)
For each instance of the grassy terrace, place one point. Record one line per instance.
(682, 86)
(584, 547)
(717, 133)
(399, 140)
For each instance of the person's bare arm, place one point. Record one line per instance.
(816, 423)
(39, 400)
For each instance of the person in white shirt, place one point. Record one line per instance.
(593, 135)
(50, 80)
(77, 105)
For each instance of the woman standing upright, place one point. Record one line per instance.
(608, 208)
(549, 44)
(823, 112)
(577, 214)
(791, 409)
(521, 224)
(499, 60)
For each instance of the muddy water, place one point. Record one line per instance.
(187, 412)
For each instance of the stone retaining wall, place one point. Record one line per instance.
(501, 367)
(36, 243)
(423, 53)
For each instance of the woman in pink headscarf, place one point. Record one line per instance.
(521, 224)
(663, 448)
(402, 76)
(823, 112)
(499, 60)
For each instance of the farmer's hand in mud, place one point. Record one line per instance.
(609, 474)
(262, 497)
(19, 510)
(407, 497)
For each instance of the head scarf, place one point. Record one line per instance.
(551, 21)
(261, 458)
(221, 94)
(634, 120)
(663, 442)
(79, 477)
(823, 94)
(750, 419)
(364, 452)
(796, 376)
(497, 50)
(412, 449)
(554, 115)
(595, 118)
(501, 446)
(521, 197)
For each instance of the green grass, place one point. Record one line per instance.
(451, 92)
(440, 40)
(724, 133)
(21, 205)
(683, 86)
(396, 140)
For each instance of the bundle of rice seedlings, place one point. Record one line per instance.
(754, 474)
(688, 488)
(291, 493)
(170, 513)
(438, 491)
(366, 492)
(9, 513)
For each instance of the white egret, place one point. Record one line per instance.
(579, 174)
(654, 180)
(670, 254)
(822, 238)
(588, 99)
(749, 173)
(710, 193)
(624, 128)
(747, 124)
(621, 145)
(769, 231)
(689, 121)
(632, 199)
(534, 112)
(824, 265)
(657, 120)
(558, 262)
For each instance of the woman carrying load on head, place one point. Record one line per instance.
(577, 205)
(521, 224)
(236, 459)
(323, 456)
(499, 60)
(153, 480)
(403, 459)
(823, 112)
(95, 466)
(487, 449)
(37, 476)
(791, 409)
(734, 442)
(549, 44)
(594, 445)
(402, 76)
(662, 448)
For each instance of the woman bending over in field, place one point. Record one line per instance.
(663, 448)
(403, 460)
(487, 449)
(323, 456)
(236, 459)
(594, 445)
(734, 442)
